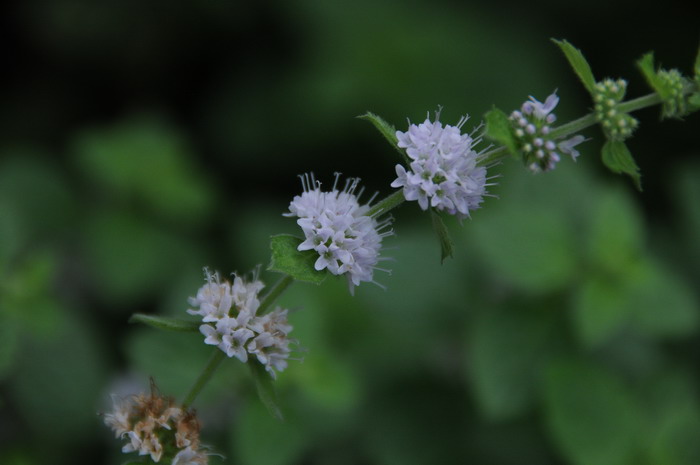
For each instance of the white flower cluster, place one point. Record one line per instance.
(444, 169)
(338, 228)
(230, 323)
(532, 130)
(153, 425)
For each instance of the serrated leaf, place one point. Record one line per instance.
(578, 63)
(446, 247)
(591, 415)
(617, 157)
(166, 323)
(386, 129)
(498, 128)
(265, 388)
(287, 259)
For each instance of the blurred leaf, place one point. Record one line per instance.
(507, 350)
(615, 238)
(265, 388)
(36, 195)
(131, 258)
(591, 415)
(646, 66)
(673, 418)
(9, 342)
(287, 259)
(27, 295)
(663, 305)
(386, 130)
(262, 439)
(530, 248)
(166, 323)
(145, 160)
(578, 63)
(58, 382)
(498, 128)
(600, 310)
(446, 248)
(618, 159)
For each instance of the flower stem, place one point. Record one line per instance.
(277, 289)
(387, 203)
(218, 355)
(204, 376)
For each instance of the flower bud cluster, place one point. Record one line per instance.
(228, 311)
(444, 171)
(338, 228)
(617, 125)
(155, 426)
(532, 128)
(673, 83)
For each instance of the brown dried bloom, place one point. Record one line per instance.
(154, 425)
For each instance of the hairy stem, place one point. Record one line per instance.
(204, 376)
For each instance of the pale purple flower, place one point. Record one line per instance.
(337, 227)
(444, 171)
(531, 127)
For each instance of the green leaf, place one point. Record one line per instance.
(506, 354)
(446, 248)
(386, 129)
(287, 259)
(498, 128)
(618, 159)
(578, 63)
(646, 66)
(591, 415)
(615, 238)
(600, 310)
(265, 388)
(166, 323)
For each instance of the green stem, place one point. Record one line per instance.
(274, 292)
(387, 203)
(218, 355)
(204, 376)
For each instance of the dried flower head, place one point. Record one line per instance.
(337, 227)
(154, 425)
(444, 171)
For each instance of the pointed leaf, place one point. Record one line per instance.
(166, 323)
(446, 248)
(265, 388)
(287, 259)
(386, 129)
(646, 66)
(618, 159)
(498, 128)
(578, 63)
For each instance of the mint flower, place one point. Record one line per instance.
(532, 131)
(337, 227)
(153, 425)
(444, 171)
(228, 311)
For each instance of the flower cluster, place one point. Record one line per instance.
(608, 94)
(337, 227)
(228, 312)
(444, 168)
(532, 131)
(155, 426)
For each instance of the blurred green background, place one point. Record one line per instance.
(141, 141)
